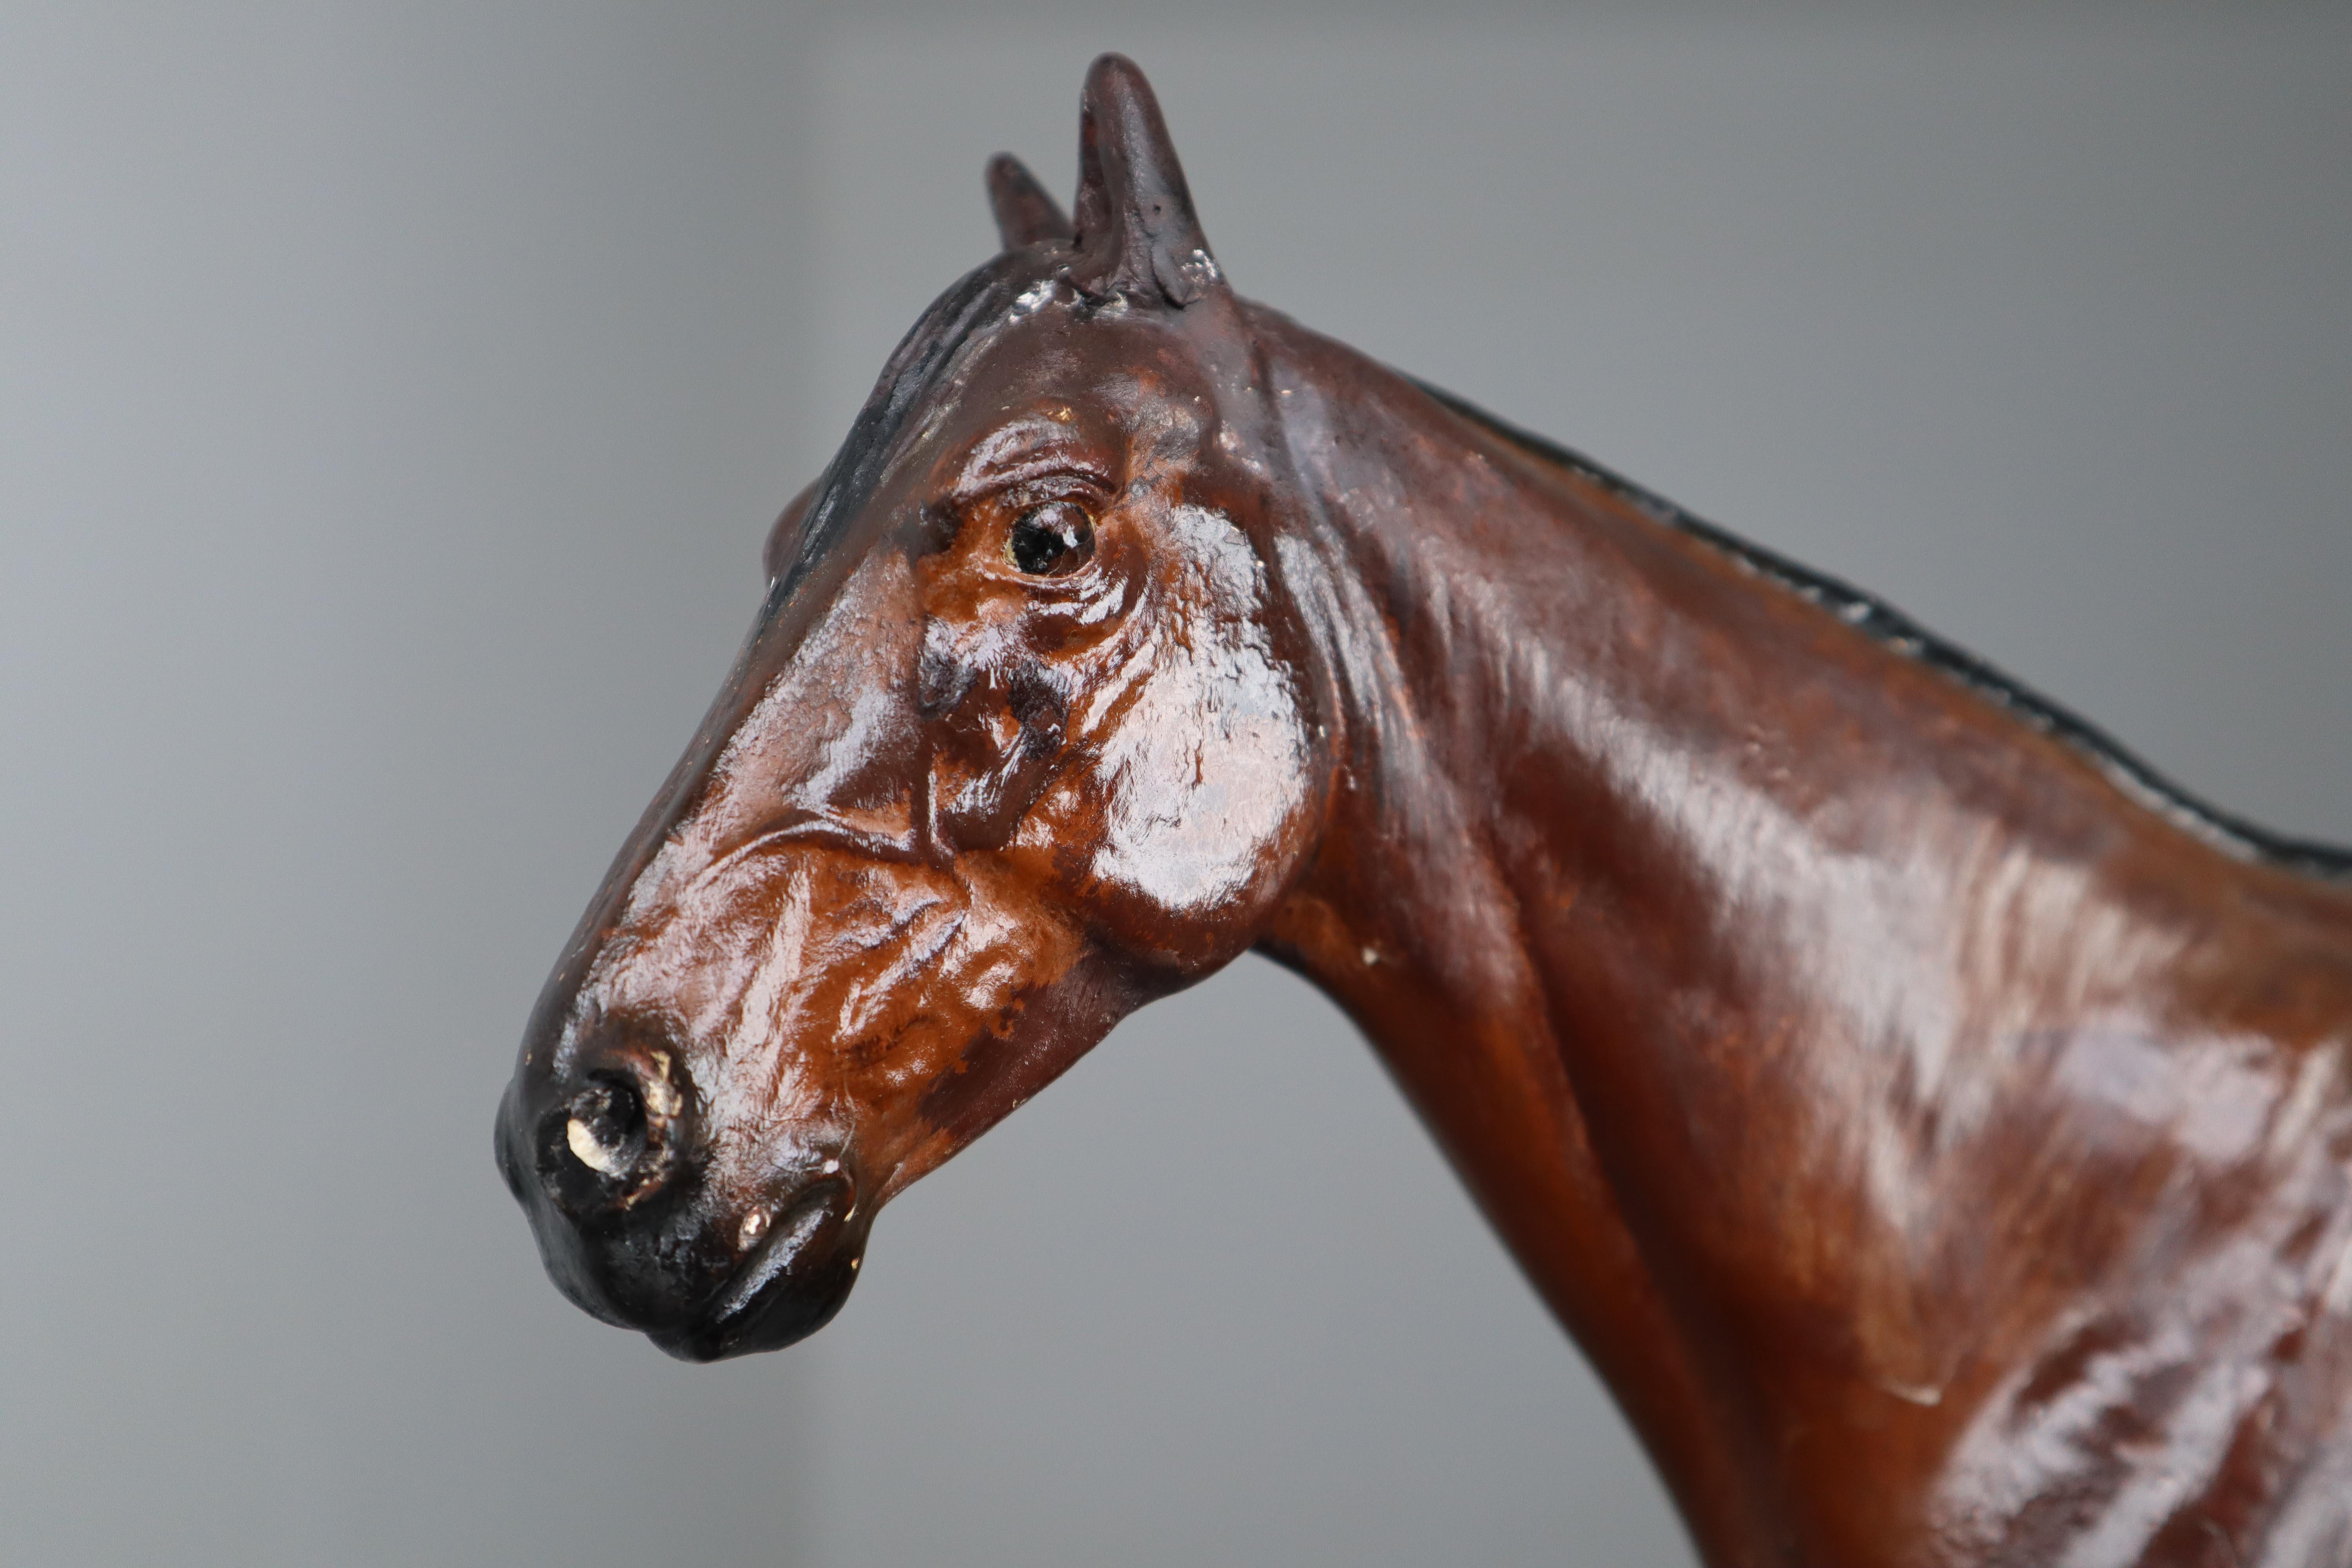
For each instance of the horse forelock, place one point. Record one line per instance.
(987, 297)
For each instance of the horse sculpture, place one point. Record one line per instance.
(1932, 1126)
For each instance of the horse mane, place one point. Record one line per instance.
(980, 300)
(1886, 625)
(983, 297)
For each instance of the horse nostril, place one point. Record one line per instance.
(607, 1128)
(606, 1147)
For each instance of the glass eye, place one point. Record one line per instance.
(1052, 540)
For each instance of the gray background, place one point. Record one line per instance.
(392, 402)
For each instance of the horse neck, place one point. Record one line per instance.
(1744, 965)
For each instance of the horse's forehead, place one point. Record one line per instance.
(953, 386)
(1114, 362)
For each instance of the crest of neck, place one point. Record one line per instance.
(1744, 962)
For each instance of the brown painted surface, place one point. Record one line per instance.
(1935, 1130)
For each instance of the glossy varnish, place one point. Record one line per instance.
(1933, 1127)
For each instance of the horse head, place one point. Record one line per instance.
(1020, 741)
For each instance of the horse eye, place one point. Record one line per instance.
(1052, 540)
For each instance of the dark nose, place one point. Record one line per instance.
(610, 1139)
(608, 1154)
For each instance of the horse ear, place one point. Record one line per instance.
(1136, 229)
(1025, 214)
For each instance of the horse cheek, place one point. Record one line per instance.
(1203, 816)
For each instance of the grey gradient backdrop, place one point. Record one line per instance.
(392, 402)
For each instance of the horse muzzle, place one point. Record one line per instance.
(788, 1287)
(637, 1229)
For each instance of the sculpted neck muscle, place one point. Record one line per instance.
(1858, 1083)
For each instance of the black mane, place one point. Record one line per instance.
(979, 299)
(986, 295)
(1898, 631)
